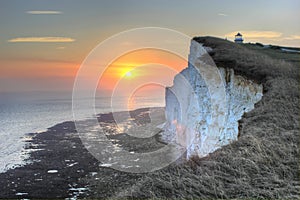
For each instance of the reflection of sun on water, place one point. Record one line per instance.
(131, 103)
(149, 95)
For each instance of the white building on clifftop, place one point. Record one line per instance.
(238, 38)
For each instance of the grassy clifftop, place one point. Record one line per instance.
(264, 162)
(253, 61)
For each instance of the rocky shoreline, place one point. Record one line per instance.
(61, 167)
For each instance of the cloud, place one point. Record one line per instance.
(42, 39)
(222, 14)
(257, 34)
(292, 37)
(60, 47)
(44, 12)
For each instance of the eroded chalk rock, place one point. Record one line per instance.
(195, 124)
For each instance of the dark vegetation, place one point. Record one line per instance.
(264, 162)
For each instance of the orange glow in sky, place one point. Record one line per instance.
(123, 67)
(36, 68)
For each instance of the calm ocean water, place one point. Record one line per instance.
(19, 115)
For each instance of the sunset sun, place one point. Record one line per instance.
(128, 74)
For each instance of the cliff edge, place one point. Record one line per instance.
(205, 103)
(264, 161)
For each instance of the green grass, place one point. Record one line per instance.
(275, 53)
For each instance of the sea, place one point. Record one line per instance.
(23, 113)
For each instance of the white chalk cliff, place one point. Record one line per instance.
(205, 103)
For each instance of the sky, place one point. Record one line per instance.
(44, 42)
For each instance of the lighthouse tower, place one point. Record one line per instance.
(238, 38)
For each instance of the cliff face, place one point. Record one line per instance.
(203, 109)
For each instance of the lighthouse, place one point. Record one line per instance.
(238, 38)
